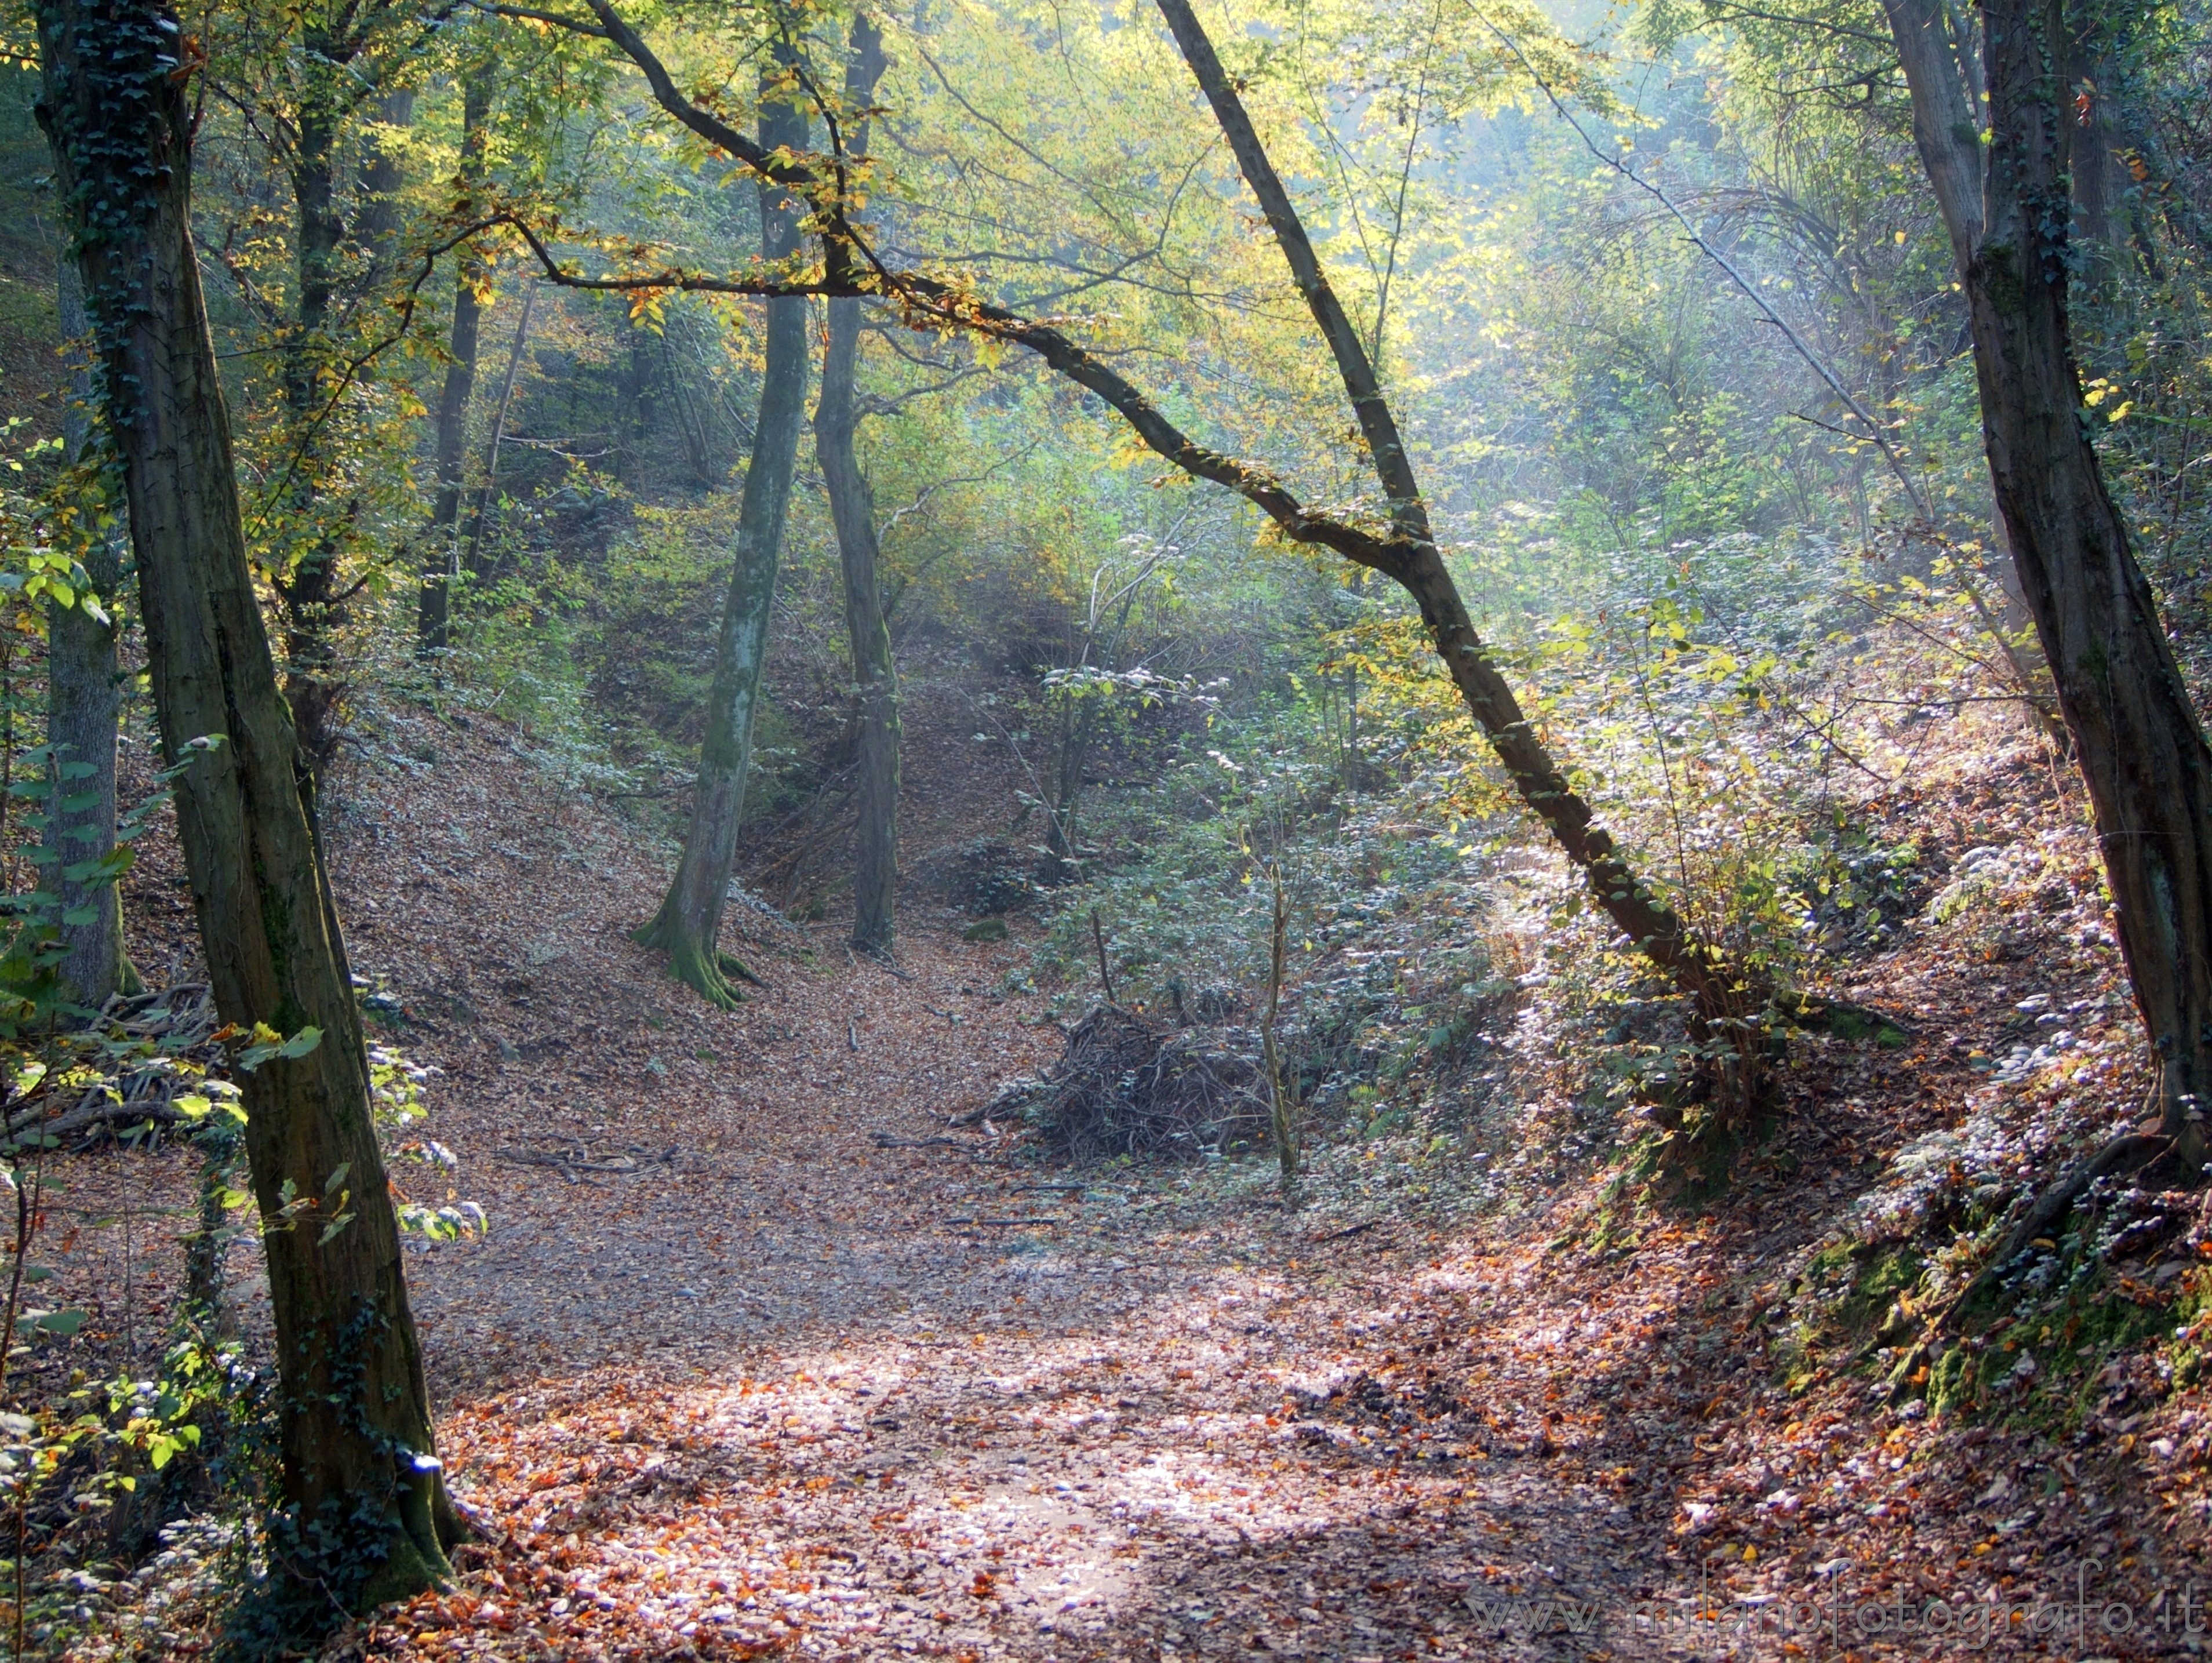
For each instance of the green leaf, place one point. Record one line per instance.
(338, 1176)
(63, 1323)
(333, 1228)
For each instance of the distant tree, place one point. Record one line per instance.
(688, 926)
(853, 508)
(318, 87)
(441, 556)
(366, 1517)
(84, 700)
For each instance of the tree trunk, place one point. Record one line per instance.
(366, 1516)
(307, 585)
(2143, 755)
(1718, 991)
(382, 179)
(853, 508)
(442, 560)
(688, 926)
(489, 489)
(83, 701)
(875, 676)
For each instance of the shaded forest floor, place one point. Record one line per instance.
(761, 1356)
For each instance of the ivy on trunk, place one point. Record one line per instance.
(366, 1516)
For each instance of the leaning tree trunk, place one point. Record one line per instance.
(2142, 754)
(1723, 1001)
(365, 1516)
(852, 506)
(83, 701)
(442, 559)
(688, 926)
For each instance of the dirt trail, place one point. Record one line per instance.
(786, 1368)
(778, 1384)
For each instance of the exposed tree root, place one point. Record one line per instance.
(712, 974)
(1812, 1013)
(2132, 1151)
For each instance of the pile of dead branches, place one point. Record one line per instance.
(129, 1074)
(1127, 1086)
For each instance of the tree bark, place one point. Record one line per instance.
(688, 926)
(1946, 130)
(442, 560)
(2142, 754)
(83, 703)
(365, 1514)
(853, 508)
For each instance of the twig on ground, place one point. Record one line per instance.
(1349, 1230)
(1001, 1224)
(1105, 975)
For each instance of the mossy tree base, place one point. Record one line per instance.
(708, 971)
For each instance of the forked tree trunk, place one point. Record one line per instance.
(441, 560)
(2142, 754)
(83, 701)
(853, 508)
(688, 926)
(368, 1517)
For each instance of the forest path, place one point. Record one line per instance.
(771, 1387)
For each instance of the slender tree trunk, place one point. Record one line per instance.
(382, 179)
(308, 585)
(875, 676)
(366, 1517)
(688, 926)
(853, 508)
(83, 701)
(1411, 559)
(441, 560)
(2143, 755)
(490, 486)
